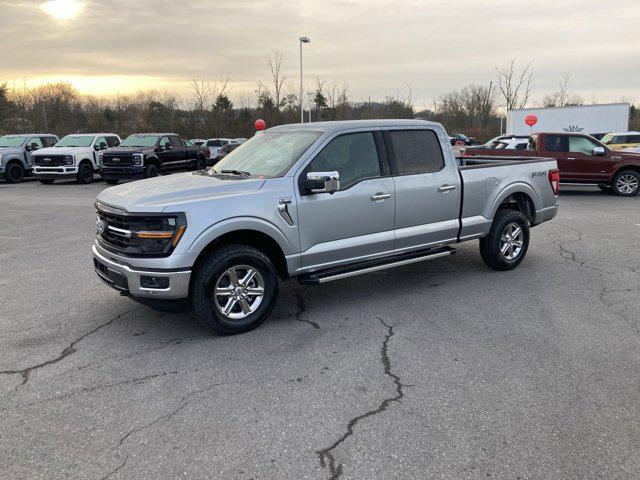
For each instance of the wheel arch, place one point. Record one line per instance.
(520, 197)
(622, 168)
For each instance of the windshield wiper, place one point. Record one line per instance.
(242, 173)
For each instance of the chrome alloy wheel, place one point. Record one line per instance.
(627, 184)
(239, 292)
(511, 241)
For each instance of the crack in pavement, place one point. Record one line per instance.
(115, 470)
(302, 307)
(326, 455)
(570, 254)
(70, 350)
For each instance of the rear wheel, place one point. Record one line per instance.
(151, 171)
(14, 173)
(46, 181)
(111, 181)
(85, 173)
(626, 183)
(508, 240)
(234, 290)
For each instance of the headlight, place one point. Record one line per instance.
(99, 159)
(0, 159)
(137, 159)
(159, 234)
(69, 160)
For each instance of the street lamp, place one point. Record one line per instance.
(302, 40)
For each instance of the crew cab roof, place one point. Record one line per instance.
(327, 127)
(154, 133)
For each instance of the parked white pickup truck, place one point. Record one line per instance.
(75, 155)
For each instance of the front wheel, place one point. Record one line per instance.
(151, 171)
(234, 290)
(14, 173)
(85, 173)
(626, 183)
(508, 240)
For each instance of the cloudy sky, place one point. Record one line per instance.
(378, 47)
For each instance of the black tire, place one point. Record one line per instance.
(151, 171)
(111, 181)
(46, 181)
(490, 246)
(212, 271)
(605, 188)
(626, 183)
(85, 173)
(14, 173)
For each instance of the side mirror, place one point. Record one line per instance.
(322, 182)
(598, 151)
(34, 147)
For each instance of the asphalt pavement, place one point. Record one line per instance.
(443, 370)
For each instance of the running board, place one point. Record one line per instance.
(373, 266)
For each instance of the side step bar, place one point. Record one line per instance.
(373, 266)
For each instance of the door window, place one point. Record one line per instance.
(48, 141)
(165, 142)
(555, 143)
(99, 142)
(353, 156)
(581, 145)
(633, 139)
(112, 142)
(417, 151)
(175, 141)
(34, 142)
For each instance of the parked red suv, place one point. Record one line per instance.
(581, 159)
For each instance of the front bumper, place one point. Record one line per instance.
(128, 280)
(122, 173)
(55, 172)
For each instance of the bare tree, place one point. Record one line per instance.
(563, 97)
(515, 89)
(275, 61)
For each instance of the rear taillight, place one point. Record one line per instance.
(554, 180)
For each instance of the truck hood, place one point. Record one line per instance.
(62, 150)
(160, 193)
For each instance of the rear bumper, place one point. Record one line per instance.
(545, 214)
(122, 173)
(55, 172)
(128, 280)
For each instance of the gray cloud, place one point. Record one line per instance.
(376, 46)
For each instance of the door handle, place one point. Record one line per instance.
(446, 188)
(570, 158)
(380, 196)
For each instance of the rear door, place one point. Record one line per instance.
(557, 146)
(179, 152)
(427, 192)
(355, 223)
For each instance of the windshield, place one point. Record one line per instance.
(215, 143)
(75, 141)
(607, 138)
(12, 141)
(269, 154)
(140, 141)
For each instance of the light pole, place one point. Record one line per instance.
(302, 40)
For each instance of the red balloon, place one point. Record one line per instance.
(531, 120)
(260, 124)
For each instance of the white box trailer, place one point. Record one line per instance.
(590, 119)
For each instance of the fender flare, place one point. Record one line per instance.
(230, 225)
(518, 187)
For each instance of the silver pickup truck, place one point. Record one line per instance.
(318, 202)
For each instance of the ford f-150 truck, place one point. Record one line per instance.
(16, 154)
(318, 202)
(74, 156)
(146, 155)
(581, 159)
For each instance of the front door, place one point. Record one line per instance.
(427, 192)
(589, 167)
(355, 223)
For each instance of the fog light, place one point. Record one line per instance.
(158, 283)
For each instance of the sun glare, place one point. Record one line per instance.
(63, 9)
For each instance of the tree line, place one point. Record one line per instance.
(208, 111)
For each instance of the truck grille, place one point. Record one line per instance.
(48, 160)
(113, 160)
(115, 230)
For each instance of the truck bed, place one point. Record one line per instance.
(486, 161)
